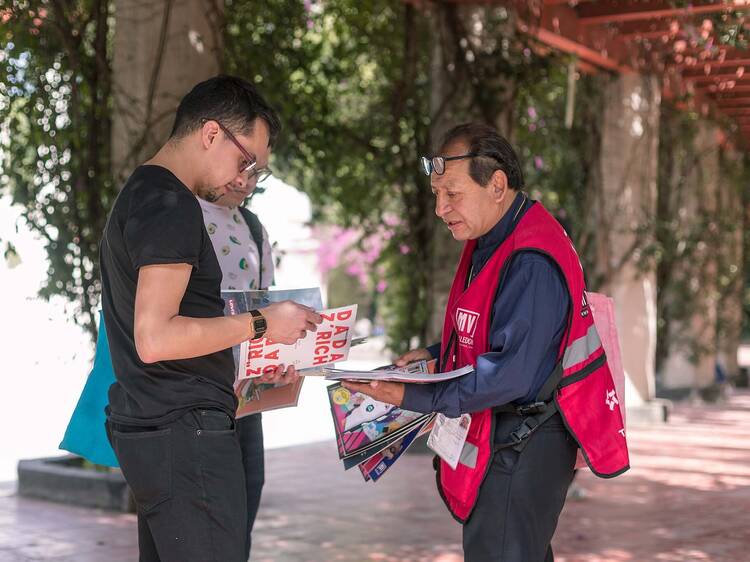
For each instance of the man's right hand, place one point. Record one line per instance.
(413, 355)
(288, 321)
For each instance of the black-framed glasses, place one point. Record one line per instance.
(261, 174)
(437, 163)
(250, 161)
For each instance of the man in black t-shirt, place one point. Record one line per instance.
(171, 409)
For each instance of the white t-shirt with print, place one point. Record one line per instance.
(235, 248)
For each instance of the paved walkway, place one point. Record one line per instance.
(687, 498)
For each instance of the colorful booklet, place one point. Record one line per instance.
(377, 465)
(254, 397)
(371, 434)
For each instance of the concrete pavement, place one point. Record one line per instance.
(687, 498)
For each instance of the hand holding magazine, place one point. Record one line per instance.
(254, 396)
(328, 344)
(373, 435)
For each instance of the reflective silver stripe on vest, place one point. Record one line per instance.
(582, 348)
(469, 455)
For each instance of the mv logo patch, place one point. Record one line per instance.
(466, 325)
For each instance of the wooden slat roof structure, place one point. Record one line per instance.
(678, 39)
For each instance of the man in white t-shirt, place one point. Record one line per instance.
(245, 265)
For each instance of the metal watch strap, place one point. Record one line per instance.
(259, 324)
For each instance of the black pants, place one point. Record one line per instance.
(189, 487)
(250, 432)
(522, 496)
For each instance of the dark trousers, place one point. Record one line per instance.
(250, 432)
(189, 486)
(522, 496)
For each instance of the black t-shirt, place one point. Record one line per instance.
(156, 219)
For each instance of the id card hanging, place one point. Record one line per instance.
(448, 437)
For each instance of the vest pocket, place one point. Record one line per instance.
(146, 462)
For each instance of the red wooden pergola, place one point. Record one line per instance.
(676, 39)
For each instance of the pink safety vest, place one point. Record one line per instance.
(586, 395)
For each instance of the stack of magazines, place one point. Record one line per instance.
(373, 435)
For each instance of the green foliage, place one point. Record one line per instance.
(55, 120)
(561, 163)
(349, 79)
(352, 81)
(697, 260)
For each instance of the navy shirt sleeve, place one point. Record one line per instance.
(529, 319)
(434, 351)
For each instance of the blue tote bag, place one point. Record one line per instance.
(86, 435)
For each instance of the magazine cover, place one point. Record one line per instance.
(362, 423)
(254, 397)
(239, 302)
(354, 459)
(328, 344)
(377, 465)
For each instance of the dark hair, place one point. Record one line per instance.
(493, 150)
(232, 101)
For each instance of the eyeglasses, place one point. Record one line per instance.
(261, 174)
(437, 163)
(249, 162)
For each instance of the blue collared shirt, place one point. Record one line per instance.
(528, 322)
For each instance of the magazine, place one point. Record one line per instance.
(253, 396)
(377, 465)
(239, 302)
(369, 430)
(328, 344)
(411, 375)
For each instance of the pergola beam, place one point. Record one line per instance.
(741, 102)
(699, 70)
(717, 78)
(741, 89)
(631, 10)
(571, 47)
(714, 63)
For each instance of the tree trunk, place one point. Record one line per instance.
(161, 50)
(469, 81)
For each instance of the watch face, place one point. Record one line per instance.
(259, 324)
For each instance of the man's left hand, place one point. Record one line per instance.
(388, 392)
(280, 376)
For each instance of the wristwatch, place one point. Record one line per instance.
(259, 324)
